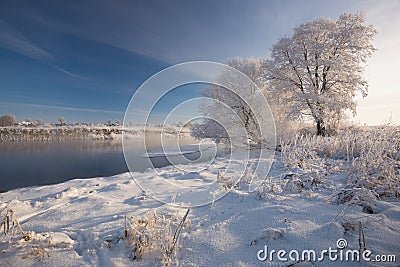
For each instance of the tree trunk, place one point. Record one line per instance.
(321, 129)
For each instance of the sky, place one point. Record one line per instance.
(83, 60)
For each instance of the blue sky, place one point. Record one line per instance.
(83, 60)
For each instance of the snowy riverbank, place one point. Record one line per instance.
(61, 133)
(81, 222)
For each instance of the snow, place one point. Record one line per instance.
(81, 222)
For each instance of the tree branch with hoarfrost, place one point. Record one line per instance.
(240, 113)
(319, 69)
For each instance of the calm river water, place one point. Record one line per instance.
(39, 163)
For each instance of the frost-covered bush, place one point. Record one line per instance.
(370, 157)
(377, 165)
(155, 231)
(227, 182)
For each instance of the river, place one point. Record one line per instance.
(34, 163)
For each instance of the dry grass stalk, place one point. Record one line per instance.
(155, 232)
(10, 224)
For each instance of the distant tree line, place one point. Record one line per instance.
(9, 120)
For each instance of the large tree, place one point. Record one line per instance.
(319, 69)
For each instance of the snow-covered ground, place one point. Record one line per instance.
(81, 222)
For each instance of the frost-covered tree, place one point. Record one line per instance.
(319, 69)
(61, 120)
(242, 115)
(7, 120)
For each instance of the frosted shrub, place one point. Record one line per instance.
(370, 157)
(300, 152)
(155, 231)
(377, 166)
(267, 188)
(300, 183)
(358, 196)
(226, 181)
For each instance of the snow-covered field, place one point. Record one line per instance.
(82, 222)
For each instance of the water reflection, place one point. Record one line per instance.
(38, 163)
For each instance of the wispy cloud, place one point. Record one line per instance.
(136, 27)
(13, 40)
(63, 108)
(66, 72)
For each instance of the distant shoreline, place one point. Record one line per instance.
(61, 133)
